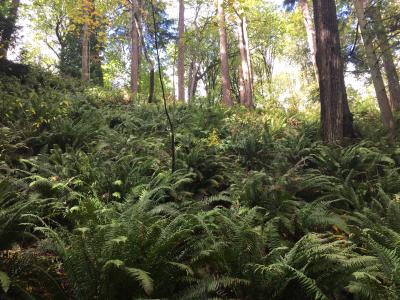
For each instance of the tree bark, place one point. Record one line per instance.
(310, 30)
(242, 67)
(245, 72)
(148, 59)
(151, 84)
(373, 64)
(85, 53)
(249, 73)
(387, 56)
(193, 79)
(336, 119)
(247, 48)
(181, 51)
(190, 77)
(135, 48)
(87, 11)
(193, 86)
(223, 42)
(9, 30)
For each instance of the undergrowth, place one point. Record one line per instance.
(259, 207)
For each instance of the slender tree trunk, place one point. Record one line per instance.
(190, 77)
(310, 30)
(249, 79)
(223, 41)
(96, 68)
(96, 71)
(334, 115)
(151, 83)
(181, 51)
(388, 62)
(193, 79)
(348, 129)
(373, 64)
(85, 53)
(171, 124)
(135, 51)
(7, 34)
(148, 60)
(173, 75)
(193, 86)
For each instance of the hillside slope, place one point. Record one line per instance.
(259, 208)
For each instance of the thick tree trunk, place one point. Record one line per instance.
(242, 68)
(249, 103)
(242, 86)
(335, 117)
(388, 62)
(135, 48)
(181, 51)
(245, 72)
(310, 30)
(9, 30)
(85, 53)
(373, 64)
(223, 41)
(247, 48)
(87, 11)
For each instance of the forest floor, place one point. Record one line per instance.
(258, 207)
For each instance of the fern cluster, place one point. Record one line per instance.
(259, 207)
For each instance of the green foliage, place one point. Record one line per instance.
(258, 208)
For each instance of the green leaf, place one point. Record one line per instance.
(116, 195)
(5, 281)
(115, 263)
(143, 277)
(118, 182)
(120, 239)
(182, 267)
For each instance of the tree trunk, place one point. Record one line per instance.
(242, 86)
(348, 129)
(148, 59)
(223, 50)
(96, 71)
(9, 30)
(151, 84)
(135, 51)
(388, 62)
(242, 68)
(193, 79)
(334, 115)
(190, 78)
(249, 74)
(310, 30)
(245, 73)
(193, 86)
(373, 64)
(85, 53)
(181, 52)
